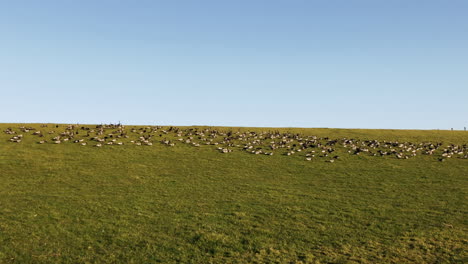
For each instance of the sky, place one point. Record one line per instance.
(266, 63)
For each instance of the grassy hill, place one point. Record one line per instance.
(156, 203)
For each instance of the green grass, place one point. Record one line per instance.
(66, 203)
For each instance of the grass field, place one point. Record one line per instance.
(67, 203)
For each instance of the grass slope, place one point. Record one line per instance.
(68, 203)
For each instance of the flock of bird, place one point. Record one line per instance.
(257, 143)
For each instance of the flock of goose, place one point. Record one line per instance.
(257, 143)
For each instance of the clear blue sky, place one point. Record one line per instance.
(347, 64)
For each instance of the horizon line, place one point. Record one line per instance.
(230, 126)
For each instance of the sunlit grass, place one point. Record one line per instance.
(66, 203)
